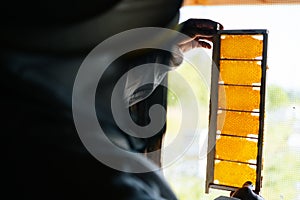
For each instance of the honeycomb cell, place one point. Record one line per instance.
(238, 123)
(241, 47)
(236, 149)
(240, 72)
(238, 98)
(233, 174)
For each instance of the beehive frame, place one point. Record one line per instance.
(237, 99)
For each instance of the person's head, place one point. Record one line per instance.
(248, 184)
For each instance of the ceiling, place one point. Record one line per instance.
(238, 2)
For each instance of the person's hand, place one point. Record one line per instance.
(200, 31)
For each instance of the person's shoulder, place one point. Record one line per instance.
(246, 193)
(244, 189)
(226, 198)
(243, 192)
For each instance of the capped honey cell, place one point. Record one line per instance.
(241, 47)
(236, 149)
(245, 124)
(233, 174)
(240, 72)
(239, 98)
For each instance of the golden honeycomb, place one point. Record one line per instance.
(236, 149)
(241, 47)
(238, 98)
(238, 123)
(233, 174)
(240, 72)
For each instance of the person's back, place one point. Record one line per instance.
(44, 157)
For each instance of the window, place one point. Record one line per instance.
(281, 150)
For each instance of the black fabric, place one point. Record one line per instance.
(245, 193)
(71, 26)
(35, 13)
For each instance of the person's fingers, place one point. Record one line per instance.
(200, 28)
(197, 32)
(204, 44)
(221, 27)
(194, 44)
(203, 24)
(208, 24)
(204, 38)
(200, 31)
(196, 37)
